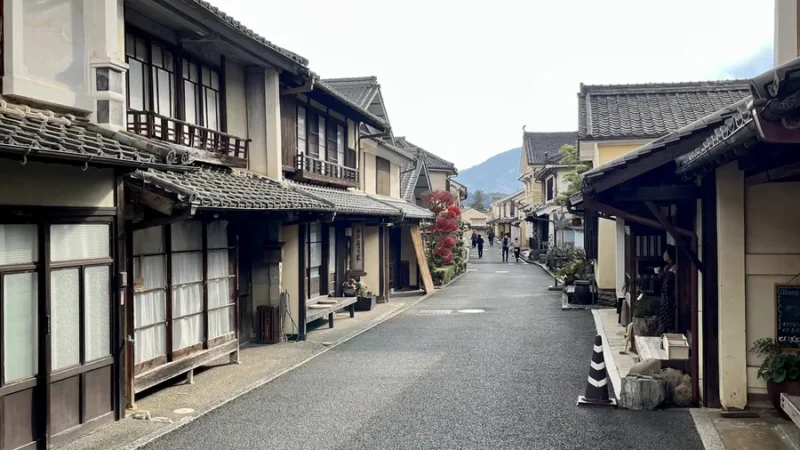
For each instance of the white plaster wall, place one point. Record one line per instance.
(438, 181)
(395, 180)
(47, 53)
(236, 99)
(372, 258)
(772, 256)
(39, 184)
(369, 174)
(291, 276)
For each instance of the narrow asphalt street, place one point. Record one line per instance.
(436, 378)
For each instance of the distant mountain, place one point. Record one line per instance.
(497, 176)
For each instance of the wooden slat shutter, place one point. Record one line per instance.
(288, 130)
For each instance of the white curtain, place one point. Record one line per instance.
(70, 242)
(150, 307)
(187, 299)
(220, 284)
(20, 330)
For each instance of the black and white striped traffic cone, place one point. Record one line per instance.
(597, 386)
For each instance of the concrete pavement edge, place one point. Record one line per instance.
(706, 429)
(608, 356)
(141, 442)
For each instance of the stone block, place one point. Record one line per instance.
(642, 393)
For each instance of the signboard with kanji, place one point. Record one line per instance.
(357, 249)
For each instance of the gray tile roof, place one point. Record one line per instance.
(631, 111)
(705, 124)
(367, 116)
(542, 147)
(250, 33)
(348, 202)
(224, 188)
(359, 90)
(409, 210)
(40, 132)
(409, 174)
(432, 161)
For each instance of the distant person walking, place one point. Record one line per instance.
(474, 239)
(480, 246)
(491, 238)
(506, 242)
(516, 249)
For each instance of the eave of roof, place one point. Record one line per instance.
(362, 114)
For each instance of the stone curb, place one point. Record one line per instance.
(706, 429)
(141, 442)
(608, 356)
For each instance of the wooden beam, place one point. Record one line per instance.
(776, 174)
(157, 202)
(659, 193)
(673, 231)
(650, 162)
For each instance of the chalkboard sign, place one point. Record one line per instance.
(787, 306)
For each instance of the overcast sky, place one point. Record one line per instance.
(461, 78)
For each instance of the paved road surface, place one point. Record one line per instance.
(504, 379)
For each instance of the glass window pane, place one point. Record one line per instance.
(97, 312)
(190, 100)
(20, 329)
(164, 101)
(65, 313)
(136, 92)
(187, 332)
(316, 254)
(169, 62)
(194, 73)
(218, 234)
(141, 49)
(211, 109)
(340, 145)
(158, 59)
(206, 77)
(19, 244)
(149, 308)
(149, 272)
(220, 292)
(322, 133)
(79, 241)
(214, 80)
(219, 264)
(187, 235)
(150, 343)
(220, 322)
(187, 267)
(187, 299)
(129, 44)
(148, 241)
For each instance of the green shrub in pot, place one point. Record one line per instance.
(780, 369)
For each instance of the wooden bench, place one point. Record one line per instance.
(327, 306)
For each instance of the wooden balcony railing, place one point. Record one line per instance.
(313, 169)
(155, 126)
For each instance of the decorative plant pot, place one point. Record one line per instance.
(569, 280)
(349, 292)
(365, 303)
(774, 390)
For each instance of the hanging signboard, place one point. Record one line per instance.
(357, 250)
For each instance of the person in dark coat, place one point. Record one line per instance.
(666, 311)
(474, 239)
(480, 246)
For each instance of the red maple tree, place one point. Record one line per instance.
(441, 232)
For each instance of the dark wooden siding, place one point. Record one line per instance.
(289, 130)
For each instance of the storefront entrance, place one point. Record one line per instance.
(57, 331)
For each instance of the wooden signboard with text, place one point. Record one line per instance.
(787, 315)
(422, 261)
(357, 250)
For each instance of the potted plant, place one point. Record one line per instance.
(349, 288)
(366, 299)
(780, 369)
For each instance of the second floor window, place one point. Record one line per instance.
(550, 190)
(157, 74)
(320, 136)
(383, 176)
